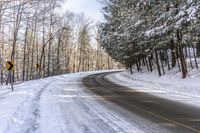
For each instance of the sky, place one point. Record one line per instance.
(91, 8)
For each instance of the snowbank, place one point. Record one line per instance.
(18, 108)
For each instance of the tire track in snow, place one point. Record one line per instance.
(37, 110)
(51, 119)
(25, 118)
(94, 117)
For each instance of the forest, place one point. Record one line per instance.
(41, 41)
(152, 34)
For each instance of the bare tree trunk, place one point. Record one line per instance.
(58, 53)
(50, 43)
(196, 63)
(1, 70)
(173, 52)
(17, 65)
(32, 58)
(190, 59)
(28, 62)
(150, 63)
(24, 53)
(157, 63)
(42, 64)
(198, 47)
(108, 62)
(145, 59)
(181, 54)
(167, 60)
(162, 65)
(15, 34)
(80, 59)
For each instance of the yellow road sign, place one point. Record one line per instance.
(9, 65)
(37, 66)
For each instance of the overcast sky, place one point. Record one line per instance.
(91, 8)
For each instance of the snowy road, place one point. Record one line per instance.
(168, 114)
(60, 104)
(89, 103)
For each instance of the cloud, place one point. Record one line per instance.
(74, 5)
(91, 8)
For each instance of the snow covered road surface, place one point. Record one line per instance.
(63, 104)
(59, 105)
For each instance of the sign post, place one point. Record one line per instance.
(10, 67)
(37, 67)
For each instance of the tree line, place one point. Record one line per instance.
(156, 34)
(43, 42)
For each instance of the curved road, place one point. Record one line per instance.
(170, 115)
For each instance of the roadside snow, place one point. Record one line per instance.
(18, 108)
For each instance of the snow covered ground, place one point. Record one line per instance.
(59, 105)
(170, 86)
(62, 104)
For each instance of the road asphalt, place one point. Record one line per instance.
(175, 117)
